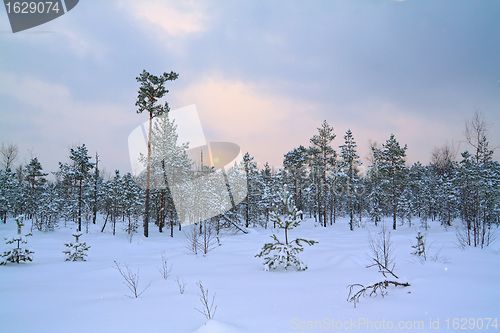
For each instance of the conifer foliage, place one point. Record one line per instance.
(20, 252)
(279, 253)
(420, 250)
(76, 251)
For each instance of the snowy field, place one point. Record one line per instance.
(458, 291)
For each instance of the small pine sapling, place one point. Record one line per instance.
(19, 252)
(76, 251)
(420, 250)
(284, 254)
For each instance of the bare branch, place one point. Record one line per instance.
(383, 252)
(131, 280)
(475, 129)
(373, 290)
(9, 153)
(181, 284)
(383, 269)
(165, 269)
(208, 308)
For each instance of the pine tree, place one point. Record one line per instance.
(405, 209)
(444, 169)
(447, 197)
(76, 251)
(80, 170)
(373, 180)
(269, 193)
(169, 165)
(10, 194)
(295, 163)
(254, 185)
(35, 179)
(152, 89)
(132, 200)
(49, 208)
(393, 171)
(420, 250)
(65, 186)
(117, 198)
(96, 187)
(350, 161)
(479, 199)
(284, 253)
(322, 158)
(19, 252)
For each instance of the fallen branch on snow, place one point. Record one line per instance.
(373, 290)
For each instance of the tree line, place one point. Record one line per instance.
(324, 178)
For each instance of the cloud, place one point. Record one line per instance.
(83, 44)
(175, 18)
(376, 120)
(268, 125)
(49, 118)
(264, 124)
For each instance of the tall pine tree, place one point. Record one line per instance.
(322, 158)
(350, 162)
(152, 89)
(80, 170)
(392, 159)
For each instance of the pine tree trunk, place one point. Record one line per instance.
(115, 212)
(171, 225)
(351, 218)
(80, 207)
(394, 204)
(161, 222)
(105, 221)
(148, 168)
(95, 188)
(286, 235)
(360, 209)
(334, 218)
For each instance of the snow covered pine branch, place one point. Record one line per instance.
(284, 254)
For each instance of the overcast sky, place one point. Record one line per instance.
(262, 74)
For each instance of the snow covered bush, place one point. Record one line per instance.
(19, 252)
(76, 251)
(279, 253)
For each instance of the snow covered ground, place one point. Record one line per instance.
(460, 290)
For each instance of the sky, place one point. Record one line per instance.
(262, 74)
